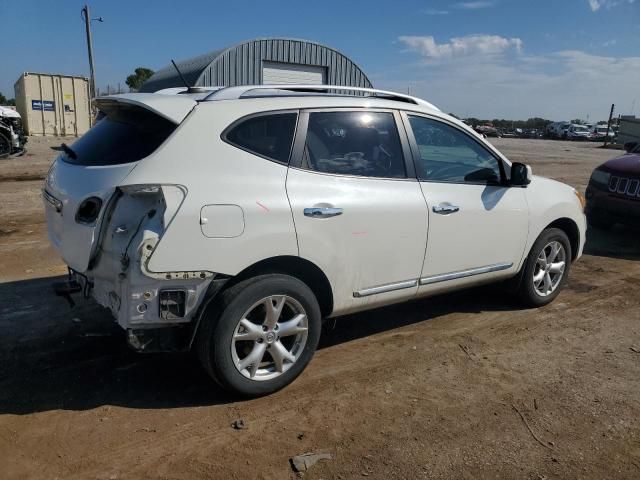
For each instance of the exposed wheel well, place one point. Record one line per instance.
(297, 267)
(569, 227)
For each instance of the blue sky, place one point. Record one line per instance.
(558, 59)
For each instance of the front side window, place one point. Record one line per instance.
(269, 136)
(354, 143)
(448, 155)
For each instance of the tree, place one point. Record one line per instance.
(139, 76)
(6, 101)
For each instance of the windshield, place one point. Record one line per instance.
(580, 128)
(126, 134)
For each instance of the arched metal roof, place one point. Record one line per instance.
(241, 64)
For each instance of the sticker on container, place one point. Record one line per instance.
(44, 105)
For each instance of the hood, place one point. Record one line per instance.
(625, 164)
(8, 112)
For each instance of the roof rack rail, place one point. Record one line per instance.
(244, 91)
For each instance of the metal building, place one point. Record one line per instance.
(263, 61)
(53, 104)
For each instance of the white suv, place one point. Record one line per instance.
(234, 220)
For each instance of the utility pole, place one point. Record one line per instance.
(606, 138)
(92, 70)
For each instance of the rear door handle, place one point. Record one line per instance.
(322, 212)
(444, 209)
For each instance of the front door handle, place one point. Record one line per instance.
(322, 212)
(444, 209)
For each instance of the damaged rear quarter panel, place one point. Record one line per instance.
(216, 173)
(121, 279)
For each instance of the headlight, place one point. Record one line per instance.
(598, 176)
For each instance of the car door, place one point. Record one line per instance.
(478, 225)
(358, 209)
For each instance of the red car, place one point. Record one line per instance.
(613, 194)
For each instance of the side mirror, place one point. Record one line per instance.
(520, 175)
(630, 146)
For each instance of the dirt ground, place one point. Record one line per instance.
(463, 386)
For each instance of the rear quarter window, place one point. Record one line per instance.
(124, 134)
(269, 136)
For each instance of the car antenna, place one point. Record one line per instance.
(190, 89)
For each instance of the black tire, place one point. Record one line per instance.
(215, 336)
(598, 220)
(527, 292)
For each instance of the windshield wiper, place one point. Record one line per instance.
(67, 149)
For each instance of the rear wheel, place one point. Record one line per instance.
(261, 334)
(546, 268)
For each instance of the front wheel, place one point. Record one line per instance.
(261, 334)
(546, 268)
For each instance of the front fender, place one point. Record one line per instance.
(550, 201)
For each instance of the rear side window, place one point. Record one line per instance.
(354, 143)
(125, 134)
(269, 136)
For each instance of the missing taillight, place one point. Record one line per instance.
(89, 210)
(172, 304)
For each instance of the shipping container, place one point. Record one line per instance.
(53, 104)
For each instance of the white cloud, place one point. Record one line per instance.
(433, 11)
(596, 5)
(475, 5)
(470, 45)
(560, 85)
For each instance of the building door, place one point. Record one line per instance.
(290, 73)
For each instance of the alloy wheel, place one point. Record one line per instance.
(549, 269)
(270, 337)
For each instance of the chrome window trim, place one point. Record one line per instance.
(443, 277)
